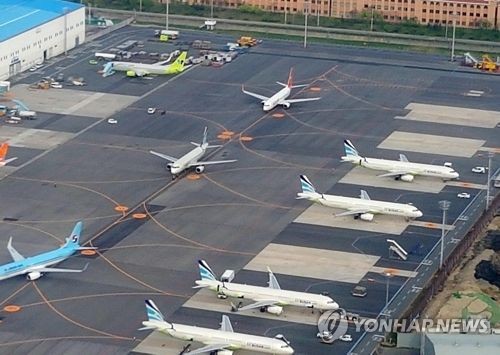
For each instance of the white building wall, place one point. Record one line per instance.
(19, 53)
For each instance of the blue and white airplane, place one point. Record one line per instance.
(35, 266)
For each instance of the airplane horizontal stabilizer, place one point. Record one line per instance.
(7, 161)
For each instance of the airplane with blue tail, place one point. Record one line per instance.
(35, 266)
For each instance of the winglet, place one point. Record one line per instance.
(13, 252)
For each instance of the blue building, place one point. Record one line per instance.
(32, 31)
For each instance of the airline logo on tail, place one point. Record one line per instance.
(206, 272)
(307, 186)
(74, 239)
(349, 148)
(4, 148)
(178, 65)
(153, 311)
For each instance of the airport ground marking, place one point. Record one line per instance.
(224, 187)
(34, 228)
(13, 294)
(76, 337)
(188, 240)
(139, 281)
(12, 308)
(78, 324)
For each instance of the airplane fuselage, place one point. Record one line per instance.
(258, 293)
(30, 264)
(277, 99)
(186, 160)
(371, 206)
(443, 172)
(238, 341)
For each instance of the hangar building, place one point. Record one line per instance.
(32, 31)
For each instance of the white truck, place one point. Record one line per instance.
(171, 34)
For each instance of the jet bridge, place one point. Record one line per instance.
(396, 248)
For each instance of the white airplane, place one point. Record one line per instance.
(269, 299)
(4, 148)
(400, 169)
(223, 341)
(363, 207)
(141, 69)
(177, 166)
(281, 97)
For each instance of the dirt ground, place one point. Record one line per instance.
(445, 305)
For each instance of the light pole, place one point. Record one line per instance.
(306, 7)
(371, 21)
(212, 9)
(317, 12)
(286, 9)
(166, 14)
(490, 156)
(140, 6)
(444, 205)
(387, 275)
(453, 39)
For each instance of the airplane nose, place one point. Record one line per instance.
(455, 175)
(335, 306)
(419, 214)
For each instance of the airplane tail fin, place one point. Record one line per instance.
(178, 65)
(206, 272)
(107, 70)
(306, 185)
(4, 148)
(153, 312)
(74, 238)
(349, 149)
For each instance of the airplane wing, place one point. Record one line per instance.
(13, 252)
(164, 156)
(52, 269)
(226, 325)
(209, 349)
(212, 162)
(351, 212)
(260, 97)
(258, 304)
(7, 161)
(395, 173)
(292, 101)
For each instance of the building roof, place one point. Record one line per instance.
(18, 16)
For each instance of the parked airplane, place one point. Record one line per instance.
(141, 69)
(281, 97)
(362, 207)
(269, 299)
(223, 341)
(400, 169)
(4, 148)
(36, 266)
(190, 159)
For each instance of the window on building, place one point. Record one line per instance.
(431, 11)
(424, 10)
(485, 15)
(424, 20)
(464, 13)
(437, 11)
(366, 6)
(386, 17)
(386, 8)
(485, 8)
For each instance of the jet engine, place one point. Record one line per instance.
(407, 177)
(366, 217)
(223, 352)
(276, 310)
(199, 169)
(32, 276)
(286, 105)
